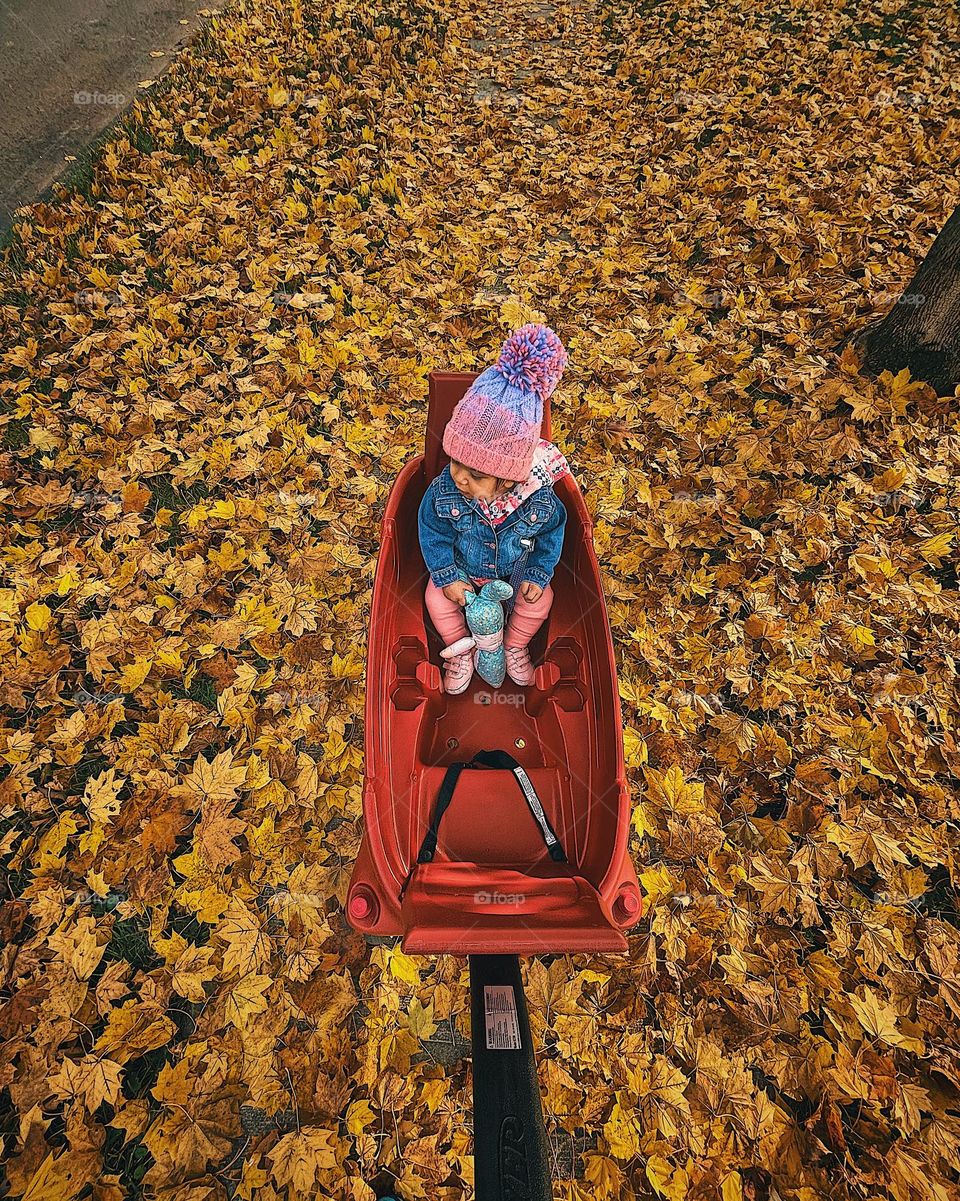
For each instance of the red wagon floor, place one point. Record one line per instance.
(492, 885)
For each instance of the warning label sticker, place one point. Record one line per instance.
(500, 1011)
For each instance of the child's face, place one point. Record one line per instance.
(475, 483)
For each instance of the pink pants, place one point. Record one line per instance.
(526, 618)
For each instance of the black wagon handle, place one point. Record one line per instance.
(510, 1150)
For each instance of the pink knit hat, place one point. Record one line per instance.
(495, 427)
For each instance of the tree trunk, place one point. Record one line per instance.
(922, 330)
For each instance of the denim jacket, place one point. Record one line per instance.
(455, 536)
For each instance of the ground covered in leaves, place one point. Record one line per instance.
(215, 355)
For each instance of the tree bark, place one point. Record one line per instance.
(922, 330)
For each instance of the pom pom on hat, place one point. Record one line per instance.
(533, 358)
(495, 427)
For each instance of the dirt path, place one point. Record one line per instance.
(66, 71)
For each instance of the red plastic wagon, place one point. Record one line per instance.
(491, 886)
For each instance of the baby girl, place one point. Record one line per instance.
(492, 514)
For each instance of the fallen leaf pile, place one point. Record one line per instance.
(215, 358)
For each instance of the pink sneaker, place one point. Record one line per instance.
(519, 667)
(459, 670)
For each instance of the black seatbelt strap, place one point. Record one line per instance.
(428, 848)
(497, 759)
(503, 759)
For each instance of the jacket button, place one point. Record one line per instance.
(454, 512)
(533, 516)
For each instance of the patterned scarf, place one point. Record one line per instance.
(548, 466)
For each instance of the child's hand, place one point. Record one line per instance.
(457, 590)
(530, 591)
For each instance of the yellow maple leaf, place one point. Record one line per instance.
(670, 790)
(669, 1183)
(933, 549)
(50, 850)
(91, 1080)
(403, 967)
(420, 1019)
(604, 1176)
(101, 795)
(38, 616)
(300, 1159)
(359, 1116)
(248, 944)
(432, 1093)
(135, 673)
(514, 313)
(656, 882)
(860, 636)
(191, 970)
(216, 832)
(257, 773)
(217, 780)
(634, 748)
(246, 999)
(228, 557)
(97, 883)
(880, 1019)
(732, 1187)
(87, 952)
(347, 667)
(621, 1132)
(59, 1178)
(642, 821)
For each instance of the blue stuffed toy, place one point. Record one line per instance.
(484, 614)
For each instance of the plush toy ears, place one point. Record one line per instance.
(497, 590)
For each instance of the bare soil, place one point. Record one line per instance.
(67, 71)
